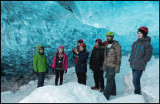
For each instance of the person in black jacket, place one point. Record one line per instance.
(96, 64)
(81, 66)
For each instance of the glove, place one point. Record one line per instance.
(117, 70)
(36, 73)
(101, 68)
(47, 71)
(65, 71)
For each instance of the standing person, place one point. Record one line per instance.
(96, 64)
(81, 66)
(76, 49)
(40, 65)
(112, 62)
(141, 53)
(60, 64)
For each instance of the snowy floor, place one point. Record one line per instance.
(72, 92)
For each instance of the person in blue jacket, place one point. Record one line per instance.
(81, 66)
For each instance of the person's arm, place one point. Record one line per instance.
(131, 52)
(118, 52)
(35, 63)
(66, 62)
(102, 57)
(90, 63)
(148, 53)
(46, 63)
(54, 62)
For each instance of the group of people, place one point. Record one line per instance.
(105, 57)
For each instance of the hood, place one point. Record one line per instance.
(61, 47)
(147, 38)
(38, 48)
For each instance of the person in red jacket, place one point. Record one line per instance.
(76, 49)
(60, 64)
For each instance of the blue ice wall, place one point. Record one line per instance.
(26, 24)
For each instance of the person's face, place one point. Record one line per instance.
(60, 50)
(79, 44)
(81, 48)
(109, 38)
(96, 44)
(140, 35)
(41, 50)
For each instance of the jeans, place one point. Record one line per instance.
(136, 80)
(110, 88)
(41, 77)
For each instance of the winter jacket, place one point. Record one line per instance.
(113, 57)
(81, 65)
(64, 63)
(40, 62)
(97, 58)
(141, 53)
(75, 55)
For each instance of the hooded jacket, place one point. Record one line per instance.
(141, 53)
(40, 62)
(65, 60)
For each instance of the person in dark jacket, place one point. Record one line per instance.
(81, 66)
(76, 49)
(96, 64)
(141, 53)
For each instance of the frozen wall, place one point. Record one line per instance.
(26, 24)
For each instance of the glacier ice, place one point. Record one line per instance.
(26, 24)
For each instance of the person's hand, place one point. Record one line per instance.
(47, 71)
(53, 70)
(36, 73)
(65, 71)
(117, 70)
(75, 50)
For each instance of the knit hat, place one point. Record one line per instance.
(99, 41)
(143, 30)
(80, 41)
(83, 44)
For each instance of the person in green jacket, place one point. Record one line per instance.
(40, 65)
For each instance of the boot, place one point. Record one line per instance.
(102, 90)
(94, 88)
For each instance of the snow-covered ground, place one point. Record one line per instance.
(72, 92)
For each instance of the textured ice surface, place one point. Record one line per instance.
(26, 24)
